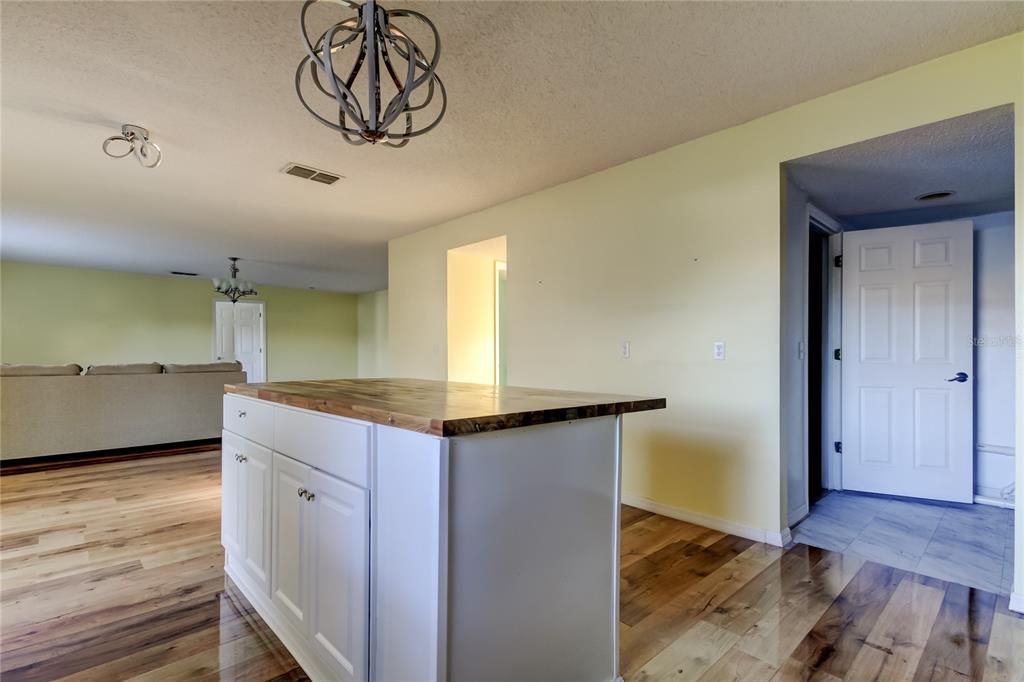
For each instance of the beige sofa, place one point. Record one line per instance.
(52, 410)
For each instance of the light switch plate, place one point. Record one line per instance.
(718, 351)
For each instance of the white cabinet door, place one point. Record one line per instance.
(231, 490)
(339, 575)
(908, 361)
(289, 591)
(256, 467)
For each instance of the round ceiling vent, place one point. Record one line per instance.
(934, 196)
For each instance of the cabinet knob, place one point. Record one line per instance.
(241, 414)
(243, 458)
(238, 457)
(310, 496)
(302, 492)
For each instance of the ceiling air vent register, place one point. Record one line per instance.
(307, 173)
(935, 196)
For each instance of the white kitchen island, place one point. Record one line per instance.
(402, 530)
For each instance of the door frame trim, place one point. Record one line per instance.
(500, 266)
(831, 375)
(832, 400)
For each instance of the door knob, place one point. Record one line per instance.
(960, 377)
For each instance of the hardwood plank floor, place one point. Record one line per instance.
(113, 571)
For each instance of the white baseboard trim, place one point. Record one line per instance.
(779, 538)
(1017, 602)
(995, 449)
(993, 502)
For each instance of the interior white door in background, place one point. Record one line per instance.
(239, 335)
(908, 361)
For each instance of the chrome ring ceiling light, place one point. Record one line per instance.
(134, 139)
(376, 44)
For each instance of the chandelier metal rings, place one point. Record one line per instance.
(134, 140)
(401, 80)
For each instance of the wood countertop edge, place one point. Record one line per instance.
(444, 428)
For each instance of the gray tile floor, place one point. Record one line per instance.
(967, 544)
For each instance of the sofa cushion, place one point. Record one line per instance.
(135, 368)
(204, 367)
(39, 370)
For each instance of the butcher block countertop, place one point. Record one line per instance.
(443, 408)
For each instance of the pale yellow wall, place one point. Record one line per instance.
(470, 310)
(672, 252)
(51, 314)
(373, 333)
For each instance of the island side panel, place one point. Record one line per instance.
(408, 556)
(533, 553)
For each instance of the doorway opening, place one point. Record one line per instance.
(898, 395)
(817, 319)
(476, 312)
(240, 334)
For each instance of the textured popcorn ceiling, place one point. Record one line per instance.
(875, 182)
(540, 93)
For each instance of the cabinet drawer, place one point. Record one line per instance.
(331, 444)
(249, 418)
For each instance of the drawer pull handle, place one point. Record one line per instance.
(241, 414)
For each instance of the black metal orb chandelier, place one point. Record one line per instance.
(405, 97)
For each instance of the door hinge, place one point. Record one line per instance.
(837, 354)
(839, 446)
(838, 261)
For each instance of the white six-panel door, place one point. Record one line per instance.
(908, 319)
(224, 330)
(239, 335)
(249, 339)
